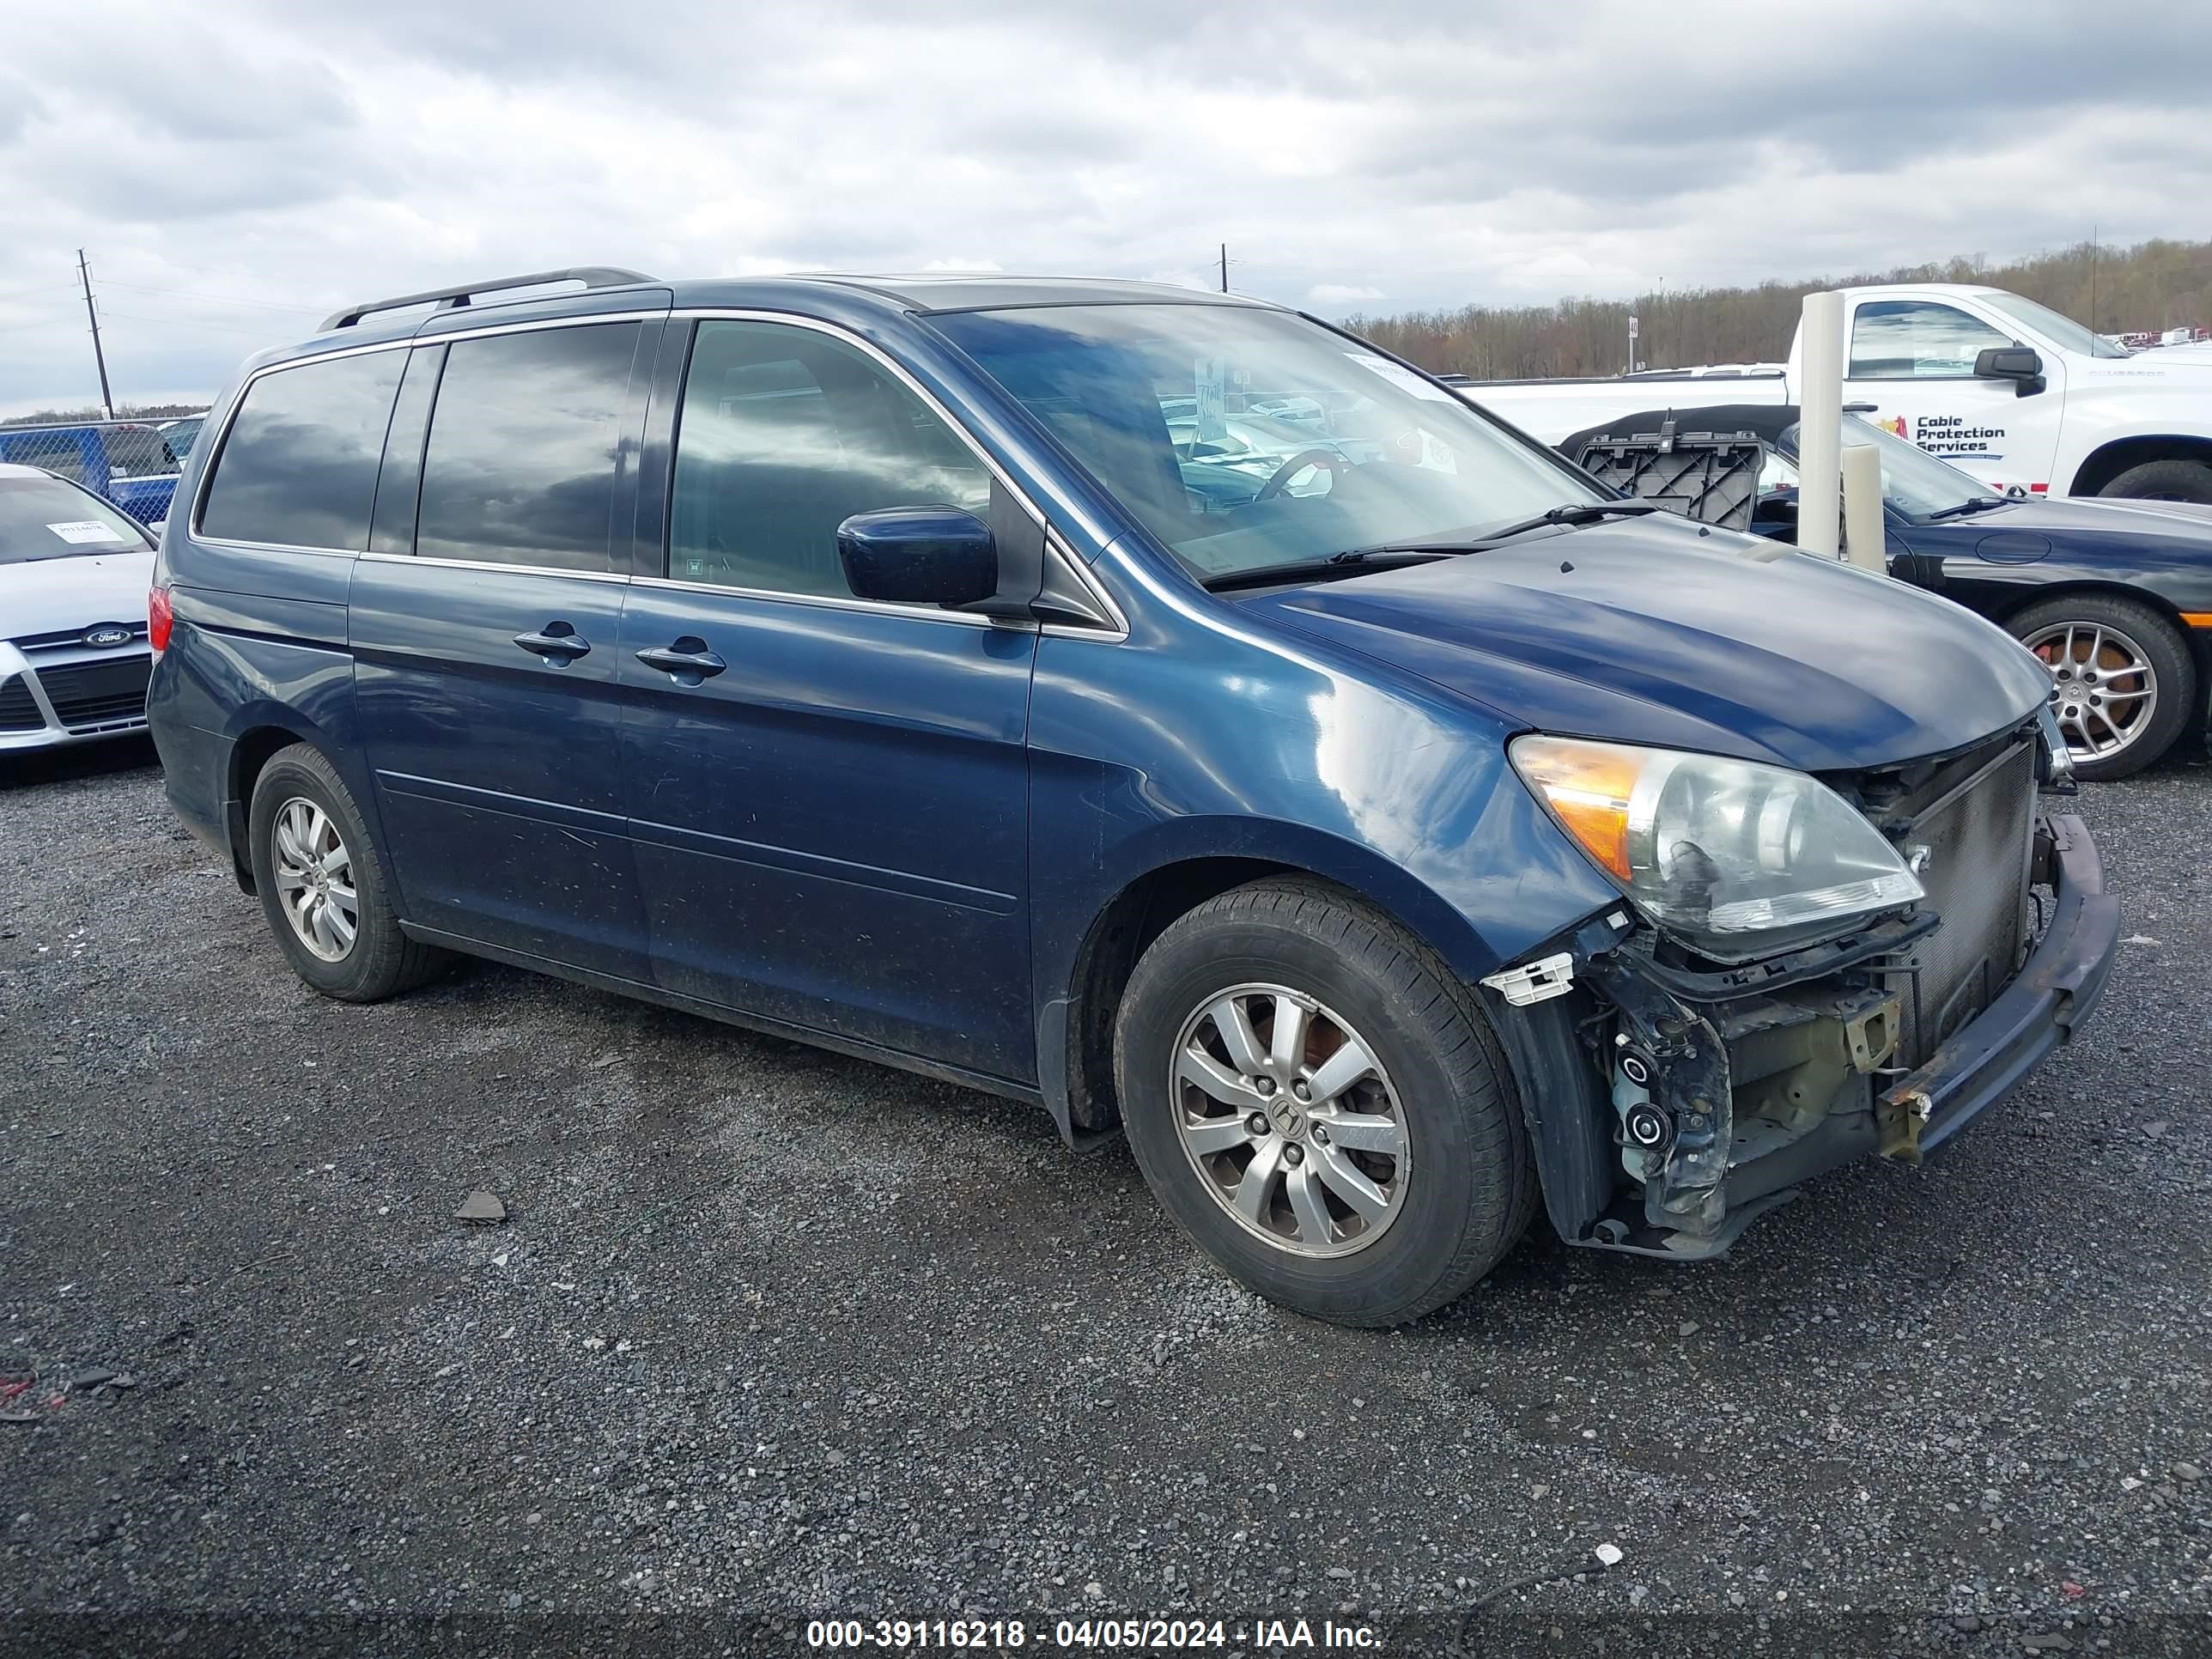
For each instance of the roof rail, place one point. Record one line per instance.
(448, 298)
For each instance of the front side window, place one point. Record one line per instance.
(43, 519)
(299, 465)
(785, 433)
(526, 446)
(1917, 340)
(1245, 438)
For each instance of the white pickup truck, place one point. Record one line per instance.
(1999, 387)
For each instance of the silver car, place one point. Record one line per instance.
(74, 575)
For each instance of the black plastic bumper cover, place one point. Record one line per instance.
(2048, 1002)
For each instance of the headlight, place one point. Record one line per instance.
(1738, 859)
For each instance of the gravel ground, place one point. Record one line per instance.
(770, 1335)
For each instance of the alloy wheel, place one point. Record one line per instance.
(1290, 1120)
(2104, 689)
(314, 879)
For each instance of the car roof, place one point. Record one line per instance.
(17, 470)
(956, 291)
(1974, 288)
(856, 299)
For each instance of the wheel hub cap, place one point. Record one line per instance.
(315, 879)
(2103, 690)
(1289, 1120)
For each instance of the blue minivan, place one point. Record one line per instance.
(1389, 845)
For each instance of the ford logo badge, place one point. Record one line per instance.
(109, 636)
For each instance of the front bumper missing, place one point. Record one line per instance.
(2043, 1008)
(1719, 1172)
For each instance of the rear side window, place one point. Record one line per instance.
(525, 445)
(299, 465)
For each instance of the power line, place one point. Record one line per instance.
(187, 322)
(217, 299)
(35, 288)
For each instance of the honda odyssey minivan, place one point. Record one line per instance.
(1392, 845)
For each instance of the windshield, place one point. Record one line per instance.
(2061, 331)
(1245, 439)
(1912, 480)
(45, 519)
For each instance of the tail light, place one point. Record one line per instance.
(159, 619)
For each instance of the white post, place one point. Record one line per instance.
(1866, 538)
(1820, 423)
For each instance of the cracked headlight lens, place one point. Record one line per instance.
(1740, 860)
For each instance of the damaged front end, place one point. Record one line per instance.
(1675, 1093)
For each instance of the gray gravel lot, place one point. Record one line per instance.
(772, 1335)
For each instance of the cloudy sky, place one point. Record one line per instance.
(235, 169)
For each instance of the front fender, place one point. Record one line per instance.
(1293, 752)
(2096, 418)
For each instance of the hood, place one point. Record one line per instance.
(1643, 630)
(49, 596)
(2196, 355)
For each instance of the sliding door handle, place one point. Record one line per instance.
(688, 661)
(559, 643)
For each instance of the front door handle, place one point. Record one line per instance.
(688, 661)
(559, 643)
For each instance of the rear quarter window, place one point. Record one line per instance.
(298, 466)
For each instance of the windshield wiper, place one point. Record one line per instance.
(1384, 554)
(1336, 564)
(1580, 512)
(1972, 504)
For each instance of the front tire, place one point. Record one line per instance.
(1289, 1034)
(2123, 679)
(323, 884)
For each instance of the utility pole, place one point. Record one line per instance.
(2092, 279)
(84, 274)
(1224, 267)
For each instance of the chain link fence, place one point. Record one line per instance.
(134, 464)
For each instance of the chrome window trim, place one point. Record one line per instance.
(498, 564)
(1053, 546)
(406, 343)
(831, 601)
(279, 547)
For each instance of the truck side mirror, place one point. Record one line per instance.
(2020, 364)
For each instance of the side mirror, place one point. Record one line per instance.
(918, 555)
(2020, 364)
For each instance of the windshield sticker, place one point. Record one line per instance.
(85, 530)
(1210, 380)
(1404, 379)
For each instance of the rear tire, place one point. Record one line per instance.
(323, 885)
(2133, 632)
(1353, 987)
(2171, 480)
